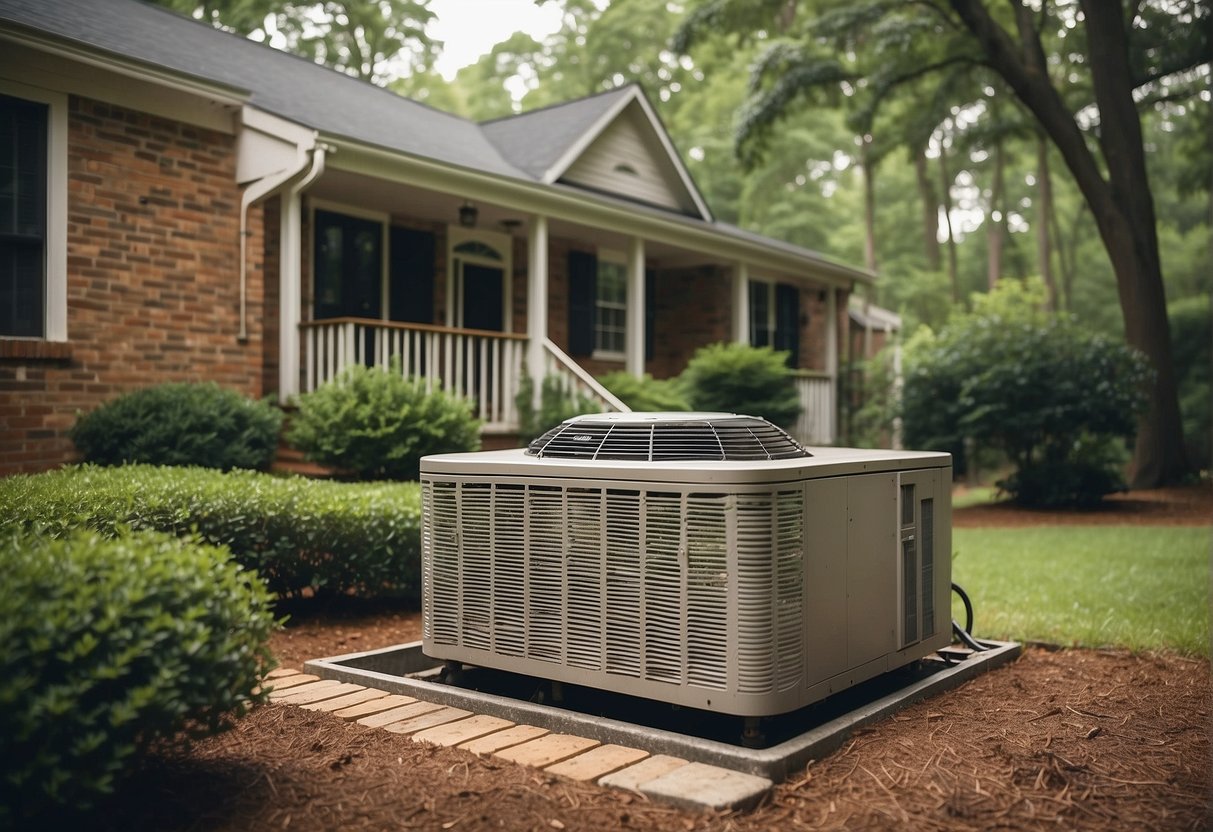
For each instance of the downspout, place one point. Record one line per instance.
(254, 192)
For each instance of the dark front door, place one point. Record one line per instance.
(483, 296)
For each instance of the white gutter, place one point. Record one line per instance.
(257, 190)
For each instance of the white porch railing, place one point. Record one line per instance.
(479, 365)
(816, 423)
(576, 380)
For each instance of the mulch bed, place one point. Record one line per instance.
(1070, 739)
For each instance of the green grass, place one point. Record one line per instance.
(1140, 587)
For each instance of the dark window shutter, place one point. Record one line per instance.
(787, 322)
(650, 312)
(583, 274)
(411, 272)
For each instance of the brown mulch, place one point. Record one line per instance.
(1068, 739)
(1181, 506)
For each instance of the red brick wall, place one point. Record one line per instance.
(694, 308)
(153, 279)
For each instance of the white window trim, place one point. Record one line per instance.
(620, 259)
(55, 251)
(384, 220)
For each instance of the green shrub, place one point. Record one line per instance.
(180, 424)
(298, 534)
(1051, 395)
(111, 644)
(738, 378)
(646, 393)
(378, 423)
(556, 403)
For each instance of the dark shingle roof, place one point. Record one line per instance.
(536, 140)
(277, 82)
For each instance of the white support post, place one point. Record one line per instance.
(536, 302)
(741, 304)
(290, 256)
(634, 349)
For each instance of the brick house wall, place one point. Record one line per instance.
(153, 279)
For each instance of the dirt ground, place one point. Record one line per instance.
(1065, 739)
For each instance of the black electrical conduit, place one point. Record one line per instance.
(965, 633)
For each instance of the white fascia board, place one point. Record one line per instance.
(621, 217)
(92, 56)
(684, 175)
(578, 147)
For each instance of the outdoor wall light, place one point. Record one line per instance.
(468, 214)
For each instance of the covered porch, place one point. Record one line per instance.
(472, 288)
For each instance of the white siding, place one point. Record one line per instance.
(628, 145)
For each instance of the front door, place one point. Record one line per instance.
(482, 297)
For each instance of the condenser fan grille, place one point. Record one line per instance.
(672, 440)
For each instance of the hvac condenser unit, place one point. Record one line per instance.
(700, 559)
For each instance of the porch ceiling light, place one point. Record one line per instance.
(468, 214)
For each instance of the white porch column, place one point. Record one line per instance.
(634, 349)
(290, 277)
(536, 301)
(832, 357)
(290, 270)
(741, 304)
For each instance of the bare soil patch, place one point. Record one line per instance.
(1071, 739)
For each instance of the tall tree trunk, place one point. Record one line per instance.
(945, 201)
(869, 202)
(996, 218)
(1044, 210)
(930, 208)
(1122, 205)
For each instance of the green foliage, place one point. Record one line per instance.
(1140, 587)
(738, 378)
(1046, 392)
(180, 424)
(378, 423)
(556, 403)
(646, 393)
(298, 534)
(111, 644)
(1192, 344)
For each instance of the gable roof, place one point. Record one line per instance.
(549, 142)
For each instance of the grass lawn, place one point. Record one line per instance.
(1140, 587)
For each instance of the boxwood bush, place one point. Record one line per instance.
(378, 424)
(298, 534)
(180, 424)
(109, 645)
(738, 378)
(645, 393)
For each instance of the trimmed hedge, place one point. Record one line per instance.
(296, 533)
(180, 424)
(109, 645)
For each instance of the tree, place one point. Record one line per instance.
(878, 49)
(374, 40)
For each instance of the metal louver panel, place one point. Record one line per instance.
(719, 437)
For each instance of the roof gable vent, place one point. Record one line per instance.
(667, 437)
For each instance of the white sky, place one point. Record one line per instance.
(469, 28)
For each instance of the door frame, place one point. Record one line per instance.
(502, 243)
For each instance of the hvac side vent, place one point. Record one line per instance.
(673, 438)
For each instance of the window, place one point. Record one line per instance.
(23, 217)
(611, 307)
(775, 319)
(348, 261)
